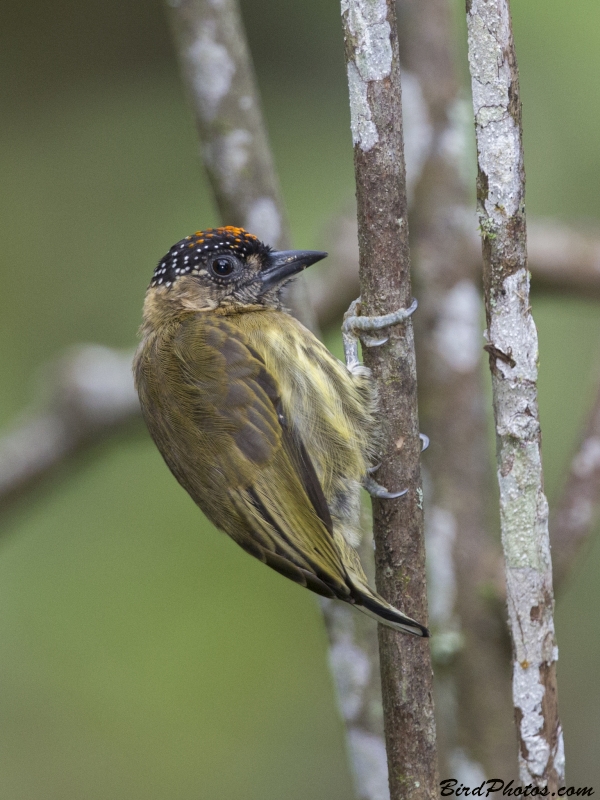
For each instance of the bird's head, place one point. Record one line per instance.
(224, 269)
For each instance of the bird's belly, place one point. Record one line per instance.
(331, 410)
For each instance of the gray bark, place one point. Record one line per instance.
(376, 120)
(513, 351)
(476, 734)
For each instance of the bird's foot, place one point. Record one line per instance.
(356, 327)
(377, 490)
(424, 445)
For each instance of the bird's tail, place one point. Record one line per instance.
(375, 606)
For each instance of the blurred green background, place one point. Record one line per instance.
(142, 654)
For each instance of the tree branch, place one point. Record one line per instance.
(476, 735)
(87, 395)
(376, 119)
(513, 351)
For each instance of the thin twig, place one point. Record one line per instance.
(476, 735)
(513, 352)
(376, 119)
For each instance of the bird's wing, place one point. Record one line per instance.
(272, 502)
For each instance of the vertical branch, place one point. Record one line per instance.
(376, 120)
(513, 352)
(218, 75)
(470, 646)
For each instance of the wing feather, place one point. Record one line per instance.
(250, 471)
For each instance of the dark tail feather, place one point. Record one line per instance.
(376, 607)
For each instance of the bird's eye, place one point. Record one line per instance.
(223, 266)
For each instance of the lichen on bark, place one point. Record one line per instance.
(513, 350)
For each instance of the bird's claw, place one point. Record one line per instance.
(372, 341)
(356, 326)
(424, 445)
(377, 490)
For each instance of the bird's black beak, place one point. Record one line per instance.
(283, 264)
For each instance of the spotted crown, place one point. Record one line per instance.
(188, 256)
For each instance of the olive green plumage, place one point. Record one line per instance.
(266, 430)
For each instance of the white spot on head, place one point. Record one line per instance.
(264, 220)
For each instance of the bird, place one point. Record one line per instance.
(268, 432)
